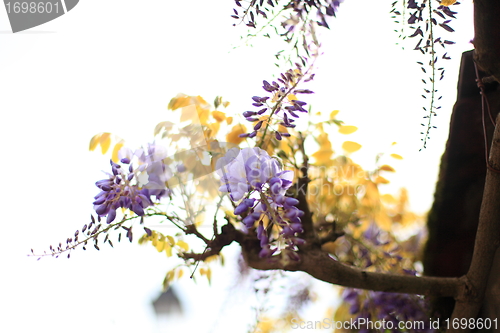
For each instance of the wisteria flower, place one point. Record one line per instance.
(132, 188)
(281, 107)
(258, 182)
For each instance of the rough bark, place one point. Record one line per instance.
(322, 266)
(487, 36)
(453, 218)
(487, 240)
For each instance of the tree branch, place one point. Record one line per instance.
(301, 195)
(227, 236)
(321, 266)
(487, 240)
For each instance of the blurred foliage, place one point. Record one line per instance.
(380, 232)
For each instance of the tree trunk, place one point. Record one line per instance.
(453, 218)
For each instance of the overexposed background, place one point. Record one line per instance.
(113, 66)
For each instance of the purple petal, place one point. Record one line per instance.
(111, 216)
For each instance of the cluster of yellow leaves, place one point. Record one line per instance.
(197, 111)
(173, 274)
(234, 135)
(104, 140)
(178, 272)
(342, 191)
(206, 271)
(164, 242)
(324, 154)
(346, 193)
(397, 208)
(266, 324)
(167, 244)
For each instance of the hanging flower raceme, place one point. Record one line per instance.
(132, 188)
(258, 183)
(281, 104)
(393, 308)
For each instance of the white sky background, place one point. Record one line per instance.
(113, 66)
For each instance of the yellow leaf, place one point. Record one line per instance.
(347, 129)
(180, 272)
(394, 143)
(229, 120)
(170, 276)
(329, 247)
(211, 258)
(219, 116)
(225, 104)
(387, 168)
(381, 180)
(396, 156)
(333, 114)
(168, 249)
(383, 221)
(94, 142)
(350, 146)
(265, 325)
(209, 275)
(200, 100)
(183, 245)
(180, 101)
(167, 280)
(105, 142)
(171, 240)
(292, 97)
(203, 114)
(342, 312)
(199, 219)
(282, 129)
(164, 125)
(213, 129)
(447, 2)
(160, 244)
(403, 196)
(388, 198)
(117, 148)
(234, 135)
(323, 155)
(189, 113)
(174, 137)
(285, 147)
(144, 238)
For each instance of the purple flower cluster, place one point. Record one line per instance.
(299, 11)
(324, 8)
(278, 102)
(390, 307)
(257, 180)
(131, 188)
